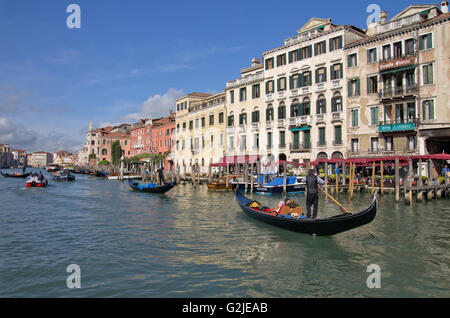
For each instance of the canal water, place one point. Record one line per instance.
(195, 243)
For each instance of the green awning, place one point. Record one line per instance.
(400, 69)
(301, 128)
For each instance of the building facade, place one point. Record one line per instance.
(40, 159)
(305, 86)
(398, 83)
(200, 131)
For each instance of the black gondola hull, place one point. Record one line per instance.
(159, 189)
(322, 227)
(8, 175)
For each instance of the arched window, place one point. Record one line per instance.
(282, 111)
(231, 119)
(306, 106)
(322, 155)
(243, 118)
(336, 103)
(295, 108)
(255, 115)
(321, 105)
(269, 113)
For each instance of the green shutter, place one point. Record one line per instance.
(429, 41)
(310, 78)
(310, 51)
(431, 109)
(357, 87)
(317, 76)
(317, 107)
(338, 135)
(342, 70)
(340, 42)
(349, 88)
(291, 84)
(325, 73)
(330, 44)
(421, 43)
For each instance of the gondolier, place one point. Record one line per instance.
(312, 192)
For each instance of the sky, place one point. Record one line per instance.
(132, 59)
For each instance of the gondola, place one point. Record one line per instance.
(151, 188)
(324, 227)
(11, 175)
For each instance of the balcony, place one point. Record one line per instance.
(269, 125)
(337, 117)
(255, 126)
(304, 120)
(321, 118)
(337, 83)
(398, 92)
(320, 87)
(281, 123)
(300, 147)
(398, 125)
(281, 95)
(293, 121)
(242, 128)
(305, 90)
(269, 97)
(230, 130)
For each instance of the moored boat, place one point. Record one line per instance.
(52, 167)
(151, 187)
(63, 176)
(330, 226)
(15, 175)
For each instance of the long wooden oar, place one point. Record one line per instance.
(345, 210)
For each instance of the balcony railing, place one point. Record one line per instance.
(300, 147)
(304, 120)
(321, 118)
(281, 123)
(336, 116)
(230, 130)
(269, 124)
(255, 126)
(337, 83)
(398, 91)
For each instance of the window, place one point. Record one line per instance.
(294, 81)
(269, 113)
(338, 135)
(371, 55)
(197, 123)
(305, 107)
(397, 49)
(306, 52)
(256, 141)
(269, 140)
(425, 42)
(353, 87)
(411, 142)
(243, 143)
(203, 122)
(387, 52)
(374, 115)
(321, 105)
(211, 120)
(243, 94)
(294, 56)
(231, 120)
(320, 48)
(191, 125)
(336, 71)
(355, 145)
(232, 97)
(255, 116)
(321, 75)
(374, 144)
(306, 78)
(243, 119)
(221, 118)
(336, 103)
(221, 140)
(352, 60)
(104, 152)
(354, 113)
(270, 87)
(295, 108)
(184, 126)
(336, 43)
(388, 144)
(322, 141)
(282, 111)
(281, 60)
(282, 139)
(409, 47)
(281, 84)
(269, 63)
(231, 143)
(428, 109)
(427, 72)
(256, 91)
(372, 84)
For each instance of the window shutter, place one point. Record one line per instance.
(310, 78)
(310, 51)
(421, 43)
(340, 42)
(429, 41)
(349, 61)
(349, 87)
(317, 107)
(368, 56)
(317, 76)
(342, 71)
(291, 84)
(330, 44)
(325, 74)
(368, 85)
(431, 109)
(290, 57)
(357, 87)
(375, 55)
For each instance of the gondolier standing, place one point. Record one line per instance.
(312, 192)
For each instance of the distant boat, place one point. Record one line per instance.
(63, 176)
(151, 188)
(52, 167)
(15, 175)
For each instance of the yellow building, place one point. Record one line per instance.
(200, 131)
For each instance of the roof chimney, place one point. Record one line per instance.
(383, 17)
(255, 61)
(444, 6)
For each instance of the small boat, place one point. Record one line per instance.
(330, 226)
(52, 168)
(151, 187)
(63, 176)
(35, 182)
(276, 186)
(15, 175)
(100, 173)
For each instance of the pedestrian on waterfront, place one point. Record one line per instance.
(446, 171)
(312, 192)
(161, 176)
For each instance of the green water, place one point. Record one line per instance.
(194, 243)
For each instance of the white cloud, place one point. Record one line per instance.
(157, 105)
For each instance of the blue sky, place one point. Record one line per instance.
(133, 58)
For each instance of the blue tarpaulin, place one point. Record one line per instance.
(280, 181)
